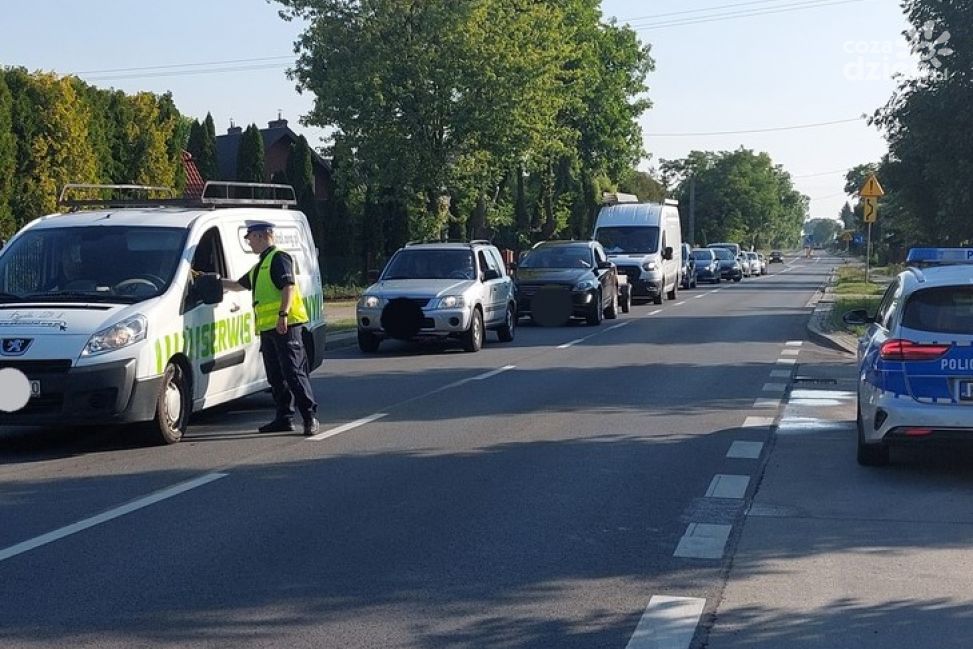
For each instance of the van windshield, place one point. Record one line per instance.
(121, 264)
(640, 240)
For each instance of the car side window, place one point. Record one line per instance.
(485, 263)
(885, 306)
(494, 256)
(208, 258)
(600, 256)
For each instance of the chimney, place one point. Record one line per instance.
(234, 129)
(280, 122)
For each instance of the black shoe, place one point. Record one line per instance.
(311, 426)
(278, 426)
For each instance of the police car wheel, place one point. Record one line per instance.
(173, 406)
(870, 454)
(473, 336)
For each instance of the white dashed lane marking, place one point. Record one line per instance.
(703, 541)
(728, 486)
(766, 403)
(758, 422)
(745, 450)
(667, 623)
(786, 361)
(794, 343)
(656, 312)
(699, 297)
(571, 344)
(780, 374)
(774, 387)
(346, 427)
(790, 352)
(679, 303)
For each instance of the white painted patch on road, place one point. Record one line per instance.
(774, 387)
(790, 352)
(794, 343)
(758, 422)
(492, 373)
(703, 541)
(111, 514)
(786, 361)
(571, 344)
(766, 403)
(745, 450)
(667, 623)
(728, 486)
(344, 428)
(781, 374)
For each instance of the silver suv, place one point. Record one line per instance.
(439, 290)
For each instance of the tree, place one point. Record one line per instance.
(195, 142)
(8, 159)
(300, 175)
(206, 161)
(823, 230)
(847, 217)
(643, 185)
(250, 157)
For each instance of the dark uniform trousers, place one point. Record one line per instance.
(287, 371)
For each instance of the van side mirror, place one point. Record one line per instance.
(209, 288)
(372, 276)
(667, 253)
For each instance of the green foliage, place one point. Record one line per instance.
(847, 216)
(206, 161)
(250, 156)
(643, 185)
(8, 158)
(823, 230)
(741, 196)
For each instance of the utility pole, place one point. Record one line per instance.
(692, 210)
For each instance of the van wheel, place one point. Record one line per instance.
(173, 406)
(473, 337)
(368, 342)
(506, 332)
(674, 292)
(611, 313)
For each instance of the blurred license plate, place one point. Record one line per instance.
(966, 390)
(35, 388)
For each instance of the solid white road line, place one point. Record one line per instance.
(703, 541)
(794, 343)
(780, 374)
(728, 486)
(745, 450)
(667, 623)
(492, 373)
(774, 387)
(758, 422)
(619, 326)
(786, 361)
(790, 352)
(571, 344)
(104, 517)
(766, 403)
(346, 427)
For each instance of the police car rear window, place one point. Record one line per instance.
(944, 309)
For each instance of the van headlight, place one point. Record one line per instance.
(585, 285)
(451, 302)
(370, 301)
(649, 266)
(125, 333)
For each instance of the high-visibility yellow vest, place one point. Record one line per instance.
(266, 298)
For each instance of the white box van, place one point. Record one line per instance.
(99, 308)
(644, 241)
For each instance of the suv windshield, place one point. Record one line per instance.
(629, 240)
(431, 264)
(947, 309)
(558, 257)
(723, 254)
(95, 263)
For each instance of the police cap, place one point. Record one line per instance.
(259, 226)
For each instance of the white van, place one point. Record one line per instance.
(644, 241)
(100, 309)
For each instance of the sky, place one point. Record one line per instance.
(721, 65)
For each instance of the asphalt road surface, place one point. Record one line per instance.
(580, 487)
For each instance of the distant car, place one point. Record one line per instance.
(579, 269)
(915, 362)
(756, 270)
(730, 268)
(763, 263)
(707, 265)
(689, 278)
(776, 257)
(745, 266)
(439, 290)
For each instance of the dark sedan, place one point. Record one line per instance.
(776, 257)
(707, 265)
(556, 280)
(729, 266)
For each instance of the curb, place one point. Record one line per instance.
(816, 330)
(340, 340)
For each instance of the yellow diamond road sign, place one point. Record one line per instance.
(872, 189)
(870, 207)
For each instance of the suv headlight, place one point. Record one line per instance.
(125, 333)
(585, 285)
(370, 301)
(649, 266)
(451, 302)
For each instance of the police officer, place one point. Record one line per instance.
(280, 317)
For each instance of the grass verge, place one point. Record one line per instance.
(845, 303)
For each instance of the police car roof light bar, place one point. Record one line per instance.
(939, 256)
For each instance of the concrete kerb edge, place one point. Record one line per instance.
(821, 314)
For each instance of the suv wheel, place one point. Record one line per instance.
(870, 454)
(626, 299)
(611, 312)
(368, 342)
(506, 332)
(473, 336)
(597, 311)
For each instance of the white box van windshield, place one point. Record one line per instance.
(431, 264)
(629, 240)
(121, 264)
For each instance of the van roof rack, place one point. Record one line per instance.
(216, 193)
(614, 198)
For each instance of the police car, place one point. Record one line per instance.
(114, 311)
(916, 358)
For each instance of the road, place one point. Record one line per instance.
(536, 494)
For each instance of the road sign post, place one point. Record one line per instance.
(870, 193)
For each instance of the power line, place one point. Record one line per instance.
(823, 173)
(758, 130)
(186, 65)
(744, 14)
(182, 73)
(638, 19)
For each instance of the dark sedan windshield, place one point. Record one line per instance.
(431, 264)
(558, 257)
(97, 263)
(702, 255)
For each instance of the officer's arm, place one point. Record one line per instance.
(232, 285)
(286, 295)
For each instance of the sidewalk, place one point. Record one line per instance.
(833, 555)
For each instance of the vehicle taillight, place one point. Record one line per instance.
(906, 350)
